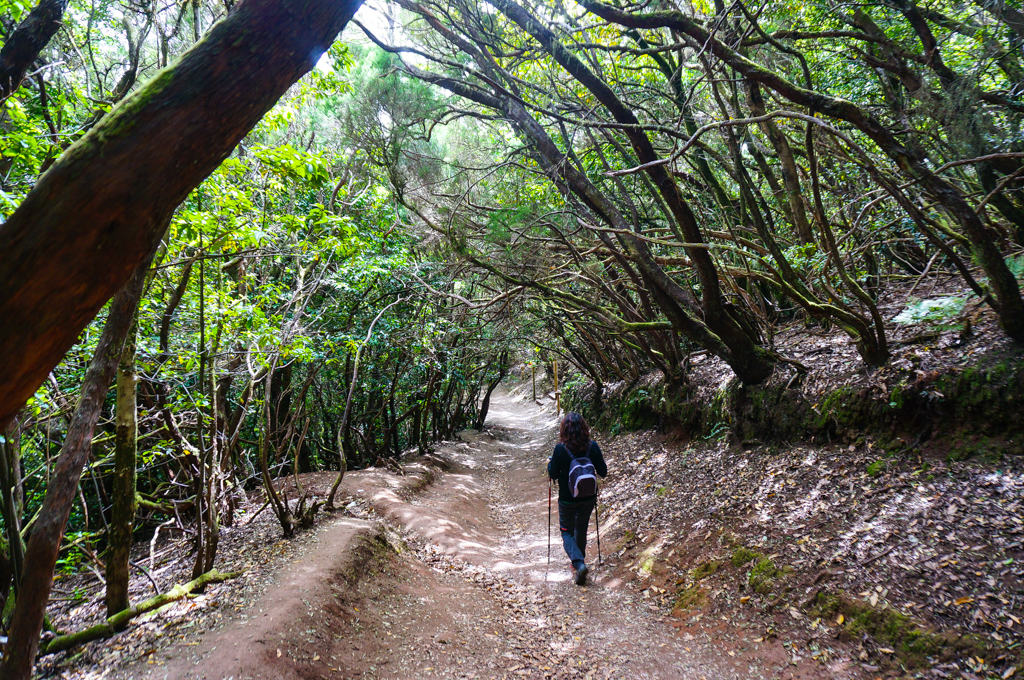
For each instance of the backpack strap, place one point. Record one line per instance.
(573, 456)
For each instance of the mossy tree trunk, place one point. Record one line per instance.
(12, 548)
(100, 210)
(123, 492)
(119, 620)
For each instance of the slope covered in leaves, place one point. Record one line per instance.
(897, 548)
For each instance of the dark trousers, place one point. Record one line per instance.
(573, 519)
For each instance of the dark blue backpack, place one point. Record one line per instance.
(582, 477)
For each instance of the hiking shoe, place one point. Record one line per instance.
(581, 575)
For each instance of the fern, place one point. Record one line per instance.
(939, 312)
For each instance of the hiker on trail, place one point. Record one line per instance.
(574, 463)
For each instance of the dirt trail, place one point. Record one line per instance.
(467, 594)
(473, 601)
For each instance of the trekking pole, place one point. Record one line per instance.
(597, 520)
(548, 566)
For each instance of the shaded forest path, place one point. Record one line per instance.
(475, 603)
(466, 595)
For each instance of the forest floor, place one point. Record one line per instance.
(441, 572)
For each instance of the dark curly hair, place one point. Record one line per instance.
(574, 433)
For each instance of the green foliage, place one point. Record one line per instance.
(742, 556)
(763, 574)
(1016, 266)
(286, 255)
(913, 645)
(637, 411)
(937, 312)
(691, 597)
(14, 9)
(577, 395)
(71, 559)
(806, 258)
(876, 468)
(705, 569)
(368, 197)
(718, 432)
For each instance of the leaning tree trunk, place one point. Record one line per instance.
(100, 210)
(485, 405)
(44, 544)
(277, 504)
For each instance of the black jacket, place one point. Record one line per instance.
(558, 468)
